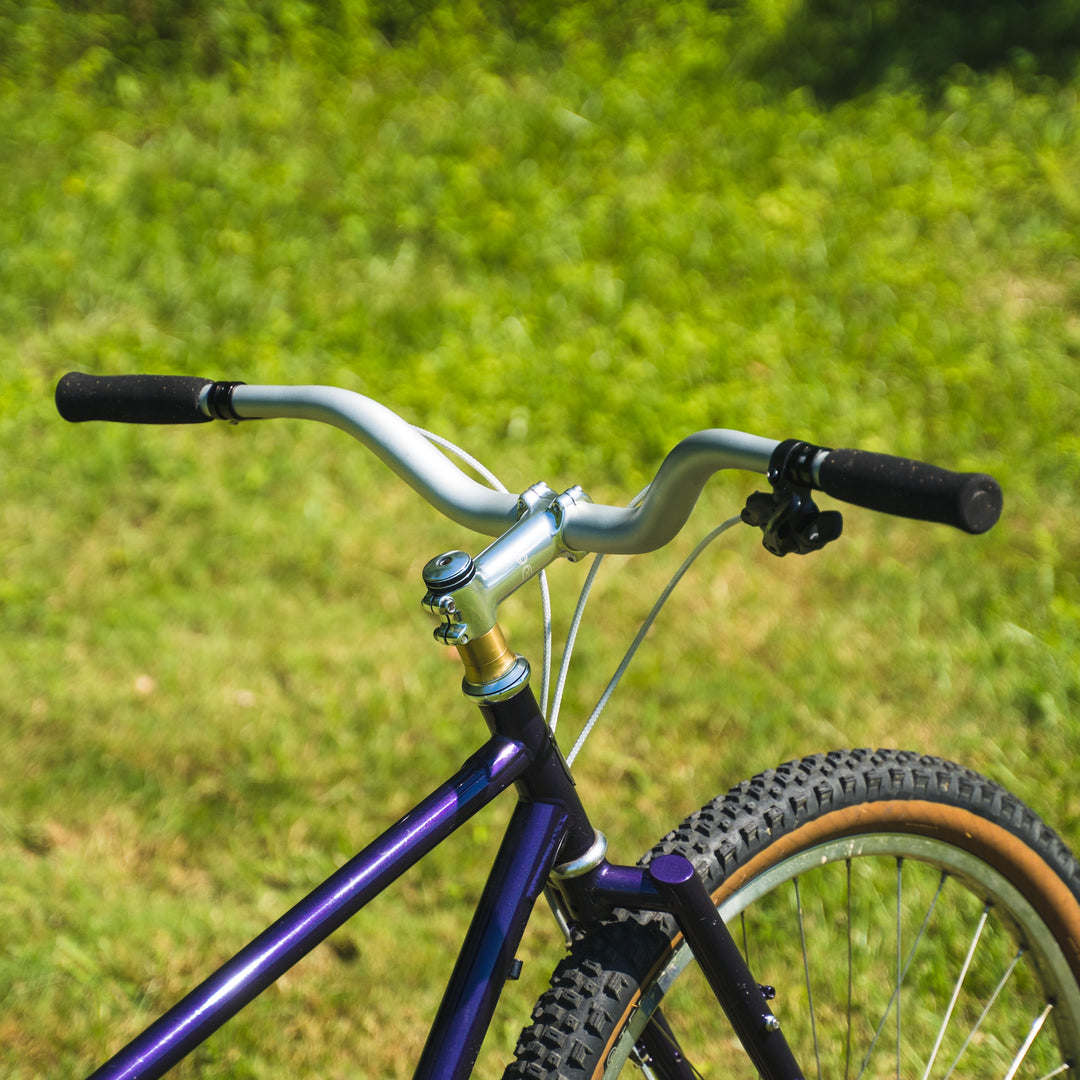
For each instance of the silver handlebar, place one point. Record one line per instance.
(588, 527)
(394, 441)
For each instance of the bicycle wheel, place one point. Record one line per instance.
(914, 918)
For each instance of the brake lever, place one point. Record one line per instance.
(791, 521)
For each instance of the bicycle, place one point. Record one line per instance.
(877, 911)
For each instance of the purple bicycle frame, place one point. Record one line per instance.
(547, 822)
(521, 868)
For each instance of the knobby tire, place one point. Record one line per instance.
(914, 918)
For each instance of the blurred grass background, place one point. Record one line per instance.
(564, 235)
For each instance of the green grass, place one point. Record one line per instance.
(564, 238)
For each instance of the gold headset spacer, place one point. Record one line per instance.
(486, 658)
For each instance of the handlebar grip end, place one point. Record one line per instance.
(980, 504)
(971, 502)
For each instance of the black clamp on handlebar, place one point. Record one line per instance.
(788, 516)
(219, 401)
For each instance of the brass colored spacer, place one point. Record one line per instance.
(487, 657)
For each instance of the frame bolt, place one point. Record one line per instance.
(771, 1023)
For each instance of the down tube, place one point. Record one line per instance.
(492, 769)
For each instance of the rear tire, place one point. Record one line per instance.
(869, 888)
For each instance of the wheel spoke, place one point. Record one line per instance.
(850, 976)
(986, 1011)
(899, 953)
(659, 1052)
(956, 990)
(1063, 1068)
(806, 973)
(902, 974)
(1032, 1035)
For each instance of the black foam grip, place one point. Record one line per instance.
(913, 489)
(131, 399)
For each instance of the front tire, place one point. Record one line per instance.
(914, 918)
